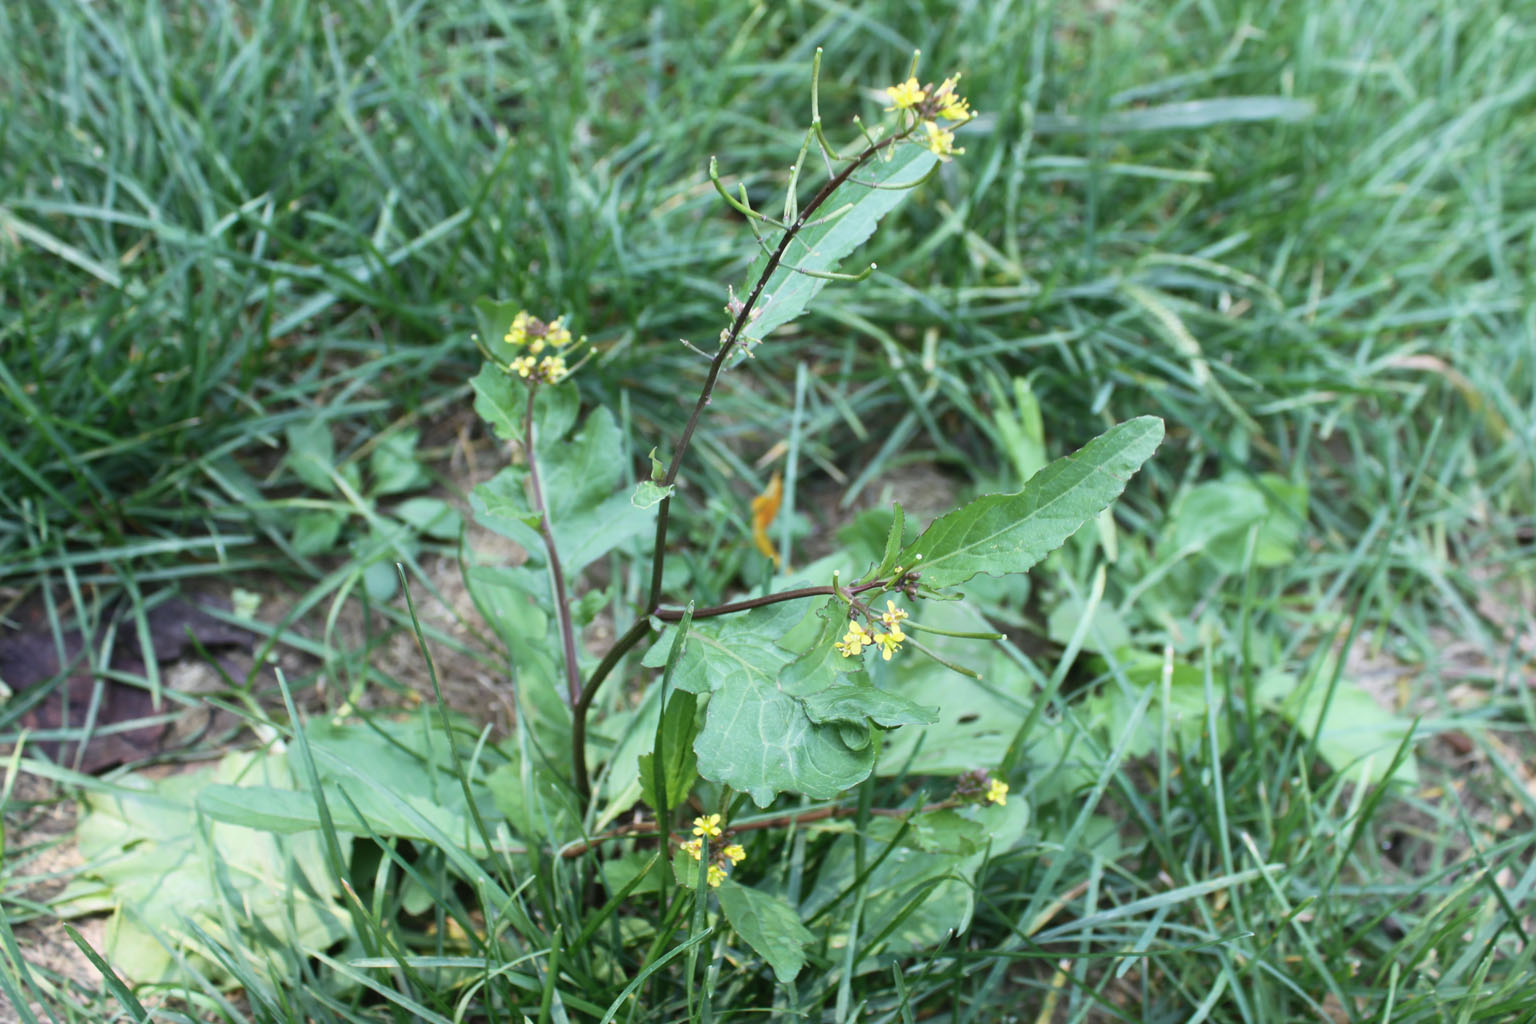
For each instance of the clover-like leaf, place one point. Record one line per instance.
(1008, 533)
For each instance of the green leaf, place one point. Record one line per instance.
(1185, 706)
(658, 471)
(158, 869)
(977, 718)
(581, 474)
(312, 454)
(315, 533)
(679, 770)
(431, 516)
(405, 762)
(768, 925)
(1008, 533)
(851, 218)
(381, 581)
(511, 600)
(502, 401)
(757, 736)
(1214, 518)
(1357, 732)
(394, 466)
(922, 891)
(859, 701)
(648, 493)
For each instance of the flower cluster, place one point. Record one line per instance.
(979, 787)
(536, 336)
(888, 639)
(929, 103)
(708, 827)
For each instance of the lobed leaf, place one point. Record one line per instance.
(766, 735)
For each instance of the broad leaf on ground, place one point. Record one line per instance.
(160, 869)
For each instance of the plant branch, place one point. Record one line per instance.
(581, 702)
(675, 614)
(646, 829)
(743, 317)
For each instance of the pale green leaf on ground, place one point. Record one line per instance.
(769, 925)
(394, 465)
(1214, 518)
(431, 516)
(1357, 735)
(315, 533)
(159, 867)
(407, 763)
(312, 454)
(922, 890)
(850, 218)
(1009, 533)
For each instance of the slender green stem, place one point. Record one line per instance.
(557, 575)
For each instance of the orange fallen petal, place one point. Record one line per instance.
(764, 508)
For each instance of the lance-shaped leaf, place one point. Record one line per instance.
(1008, 533)
(758, 736)
(848, 218)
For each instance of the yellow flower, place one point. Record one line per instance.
(558, 334)
(708, 825)
(950, 106)
(552, 368)
(734, 853)
(695, 848)
(997, 792)
(524, 365)
(905, 96)
(892, 615)
(889, 642)
(715, 875)
(854, 641)
(517, 334)
(941, 142)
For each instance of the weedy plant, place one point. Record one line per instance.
(693, 789)
(790, 693)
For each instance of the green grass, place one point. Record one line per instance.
(1302, 233)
